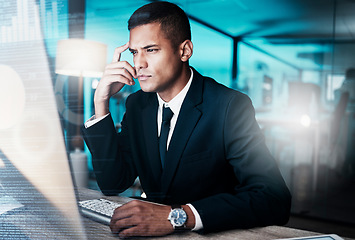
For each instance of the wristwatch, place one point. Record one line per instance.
(177, 217)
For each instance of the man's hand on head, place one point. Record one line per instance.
(116, 75)
(139, 218)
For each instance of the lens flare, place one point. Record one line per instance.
(305, 120)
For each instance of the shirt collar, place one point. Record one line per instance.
(175, 103)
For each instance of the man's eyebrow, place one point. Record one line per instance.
(149, 46)
(145, 47)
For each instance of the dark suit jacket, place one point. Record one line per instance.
(217, 158)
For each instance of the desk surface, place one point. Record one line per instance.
(96, 230)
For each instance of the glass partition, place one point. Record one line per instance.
(297, 86)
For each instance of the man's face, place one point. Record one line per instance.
(158, 65)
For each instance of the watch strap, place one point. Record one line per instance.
(181, 228)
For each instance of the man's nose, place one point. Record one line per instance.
(140, 61)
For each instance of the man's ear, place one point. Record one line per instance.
(186, 49)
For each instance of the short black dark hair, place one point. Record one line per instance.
(172, 19)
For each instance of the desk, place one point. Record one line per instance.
(96, 230)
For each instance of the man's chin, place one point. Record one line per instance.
(146, 88)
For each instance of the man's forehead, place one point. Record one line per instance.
(144, 41)
(145, 34)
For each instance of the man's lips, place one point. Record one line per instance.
(142, 77)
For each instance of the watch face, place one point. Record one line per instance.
(178, 216)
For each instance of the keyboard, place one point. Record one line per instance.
(100, 210)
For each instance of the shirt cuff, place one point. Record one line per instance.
(93, 120)
(198, 222)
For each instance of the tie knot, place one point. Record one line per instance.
(167, 114)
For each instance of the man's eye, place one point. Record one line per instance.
(134, 52)
(152, 50)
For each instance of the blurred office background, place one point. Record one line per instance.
(290, 56)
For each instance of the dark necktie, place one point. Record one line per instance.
(164, 132)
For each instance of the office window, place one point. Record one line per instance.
(334, 82)
(264, 77)
(212, 53)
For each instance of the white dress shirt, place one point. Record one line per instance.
(175, 106)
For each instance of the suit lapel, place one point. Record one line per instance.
(188, 118)
(150, 129)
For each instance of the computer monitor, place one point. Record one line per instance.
(34, 169)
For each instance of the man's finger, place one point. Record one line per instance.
(118, 51)
(122, 65)
(131, 232)
(120, 224)
(120, 75)
(120, 214)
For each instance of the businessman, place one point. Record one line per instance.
(193, 143)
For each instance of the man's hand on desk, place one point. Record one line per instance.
(139, 218)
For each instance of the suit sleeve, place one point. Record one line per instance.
(111, 157)
(261, 198)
